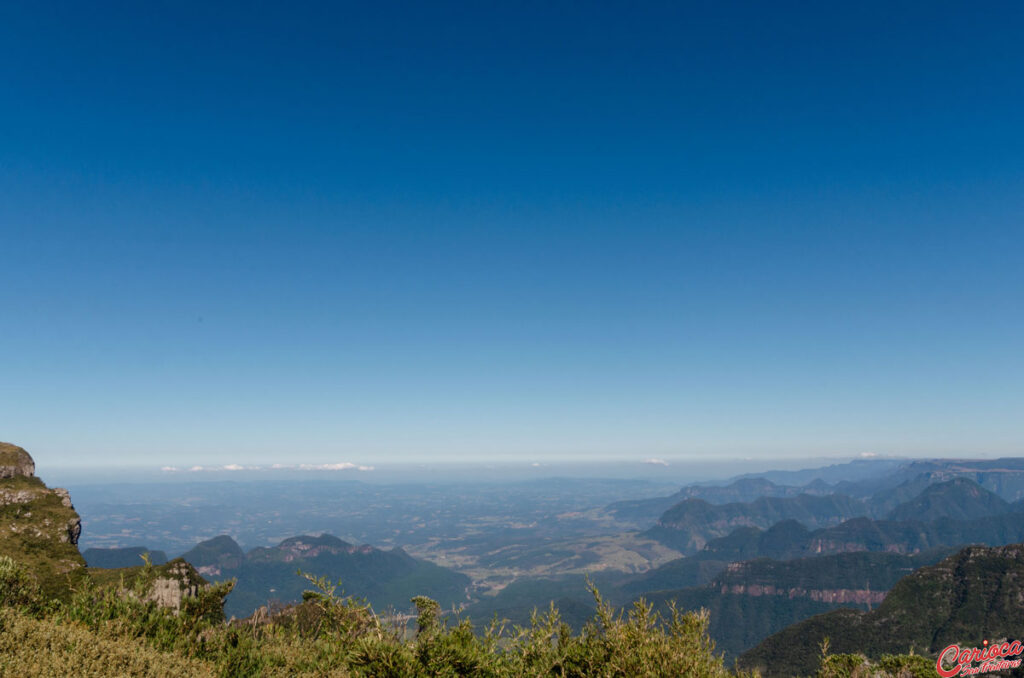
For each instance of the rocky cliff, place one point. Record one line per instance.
(39, 528)
(855, 596)
(15, 461)
(38, 525)
(972, 595)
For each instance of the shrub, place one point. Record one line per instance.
(42, 648)
(18, 588)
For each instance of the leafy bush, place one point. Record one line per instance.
(853, 665)
(42, 648)
(17, 586)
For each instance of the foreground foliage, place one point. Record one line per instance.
(113, 630)
(852, 665)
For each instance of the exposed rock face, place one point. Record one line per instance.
(65, 496)
(38, 525)
(301, 547)
(859, 596)
(15, 461)
(976, 591)
(177, 581)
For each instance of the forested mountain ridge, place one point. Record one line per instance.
(386, 579)
(972, 595)
(691, 523)
(881, 484)
(769, 595)
(959, 498)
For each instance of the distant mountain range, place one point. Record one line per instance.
(386, 579)
(691, 523)
(738, 491)
(881, 484)
(950, 513)
(129, 556)
(759, 554)
(959, 498)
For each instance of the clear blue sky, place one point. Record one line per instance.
(383, 233)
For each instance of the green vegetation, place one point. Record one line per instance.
(39, 529)
(676, 574)
(58, 617)
(767, 595)
(103, 629)
(737, 621)
(220, 552)
(518, 601)
(34, 647)
(969, 596)
(860, 570)
(888, 666)
(108, 626)
(18, 588)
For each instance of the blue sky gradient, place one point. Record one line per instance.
(386, 233)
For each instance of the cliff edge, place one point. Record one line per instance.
(39, 527)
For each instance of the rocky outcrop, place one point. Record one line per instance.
(176, 581)
(168, 585)
(857, 596)
(15, 461)
(977, 592)
(39, 526)
(301, 547)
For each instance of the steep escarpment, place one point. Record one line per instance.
(39, 526)
(973, 594)
(861, 578)
(768, 595)
(39, 530)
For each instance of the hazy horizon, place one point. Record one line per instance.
(674, 473)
